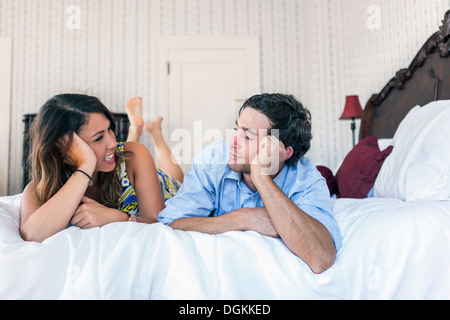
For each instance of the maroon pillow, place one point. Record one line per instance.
(360, 168)
(329, 177)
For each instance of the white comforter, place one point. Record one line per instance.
(391, 250)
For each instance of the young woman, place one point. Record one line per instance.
(80, 174)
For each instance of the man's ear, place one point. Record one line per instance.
(289, 152)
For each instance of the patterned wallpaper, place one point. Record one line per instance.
(320, 51)
(356, 47)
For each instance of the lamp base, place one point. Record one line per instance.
(353, 127)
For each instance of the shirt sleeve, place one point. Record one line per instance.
(195, 198)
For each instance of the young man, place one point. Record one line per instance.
(262, 183)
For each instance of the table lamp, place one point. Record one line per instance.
(352, 111)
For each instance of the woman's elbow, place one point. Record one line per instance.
(25, 234)
(29, 234)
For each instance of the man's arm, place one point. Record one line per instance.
(246, 219)
(190, 209)
(210, 225)
(303, 235)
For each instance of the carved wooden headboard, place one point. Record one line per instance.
(427, 79)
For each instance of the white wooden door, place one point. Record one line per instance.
(5, 108)
(204, 82)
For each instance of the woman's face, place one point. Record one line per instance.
(97, 133)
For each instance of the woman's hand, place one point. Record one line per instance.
(79, 155)
(92, 214)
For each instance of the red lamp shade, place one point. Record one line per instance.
(352, 108)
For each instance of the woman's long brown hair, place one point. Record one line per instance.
(65, 114)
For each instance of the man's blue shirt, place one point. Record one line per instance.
(211, 188)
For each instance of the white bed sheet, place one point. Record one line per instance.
(391, 250)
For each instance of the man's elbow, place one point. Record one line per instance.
(323, 263)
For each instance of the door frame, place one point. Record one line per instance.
(5, 107)
(163, 44)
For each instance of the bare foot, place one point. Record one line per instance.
(154, 127)
(134, 111)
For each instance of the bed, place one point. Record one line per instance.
(396, 236)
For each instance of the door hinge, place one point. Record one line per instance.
(168, 68)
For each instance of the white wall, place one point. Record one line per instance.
(319, 50)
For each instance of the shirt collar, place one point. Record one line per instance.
(279, 179)
(233, 175)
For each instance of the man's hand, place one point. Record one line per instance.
(270, 158)
(257, 219)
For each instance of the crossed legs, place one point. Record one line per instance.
(163, 154)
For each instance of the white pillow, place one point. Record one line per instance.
(383, 144)
(419, 166)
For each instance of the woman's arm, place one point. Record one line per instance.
(91, 214)
(38, 220)
(142, 174)
(144, 178)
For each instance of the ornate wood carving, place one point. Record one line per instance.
(439, 40)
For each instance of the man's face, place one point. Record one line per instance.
(251, 127)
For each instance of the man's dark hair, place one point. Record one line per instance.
(287, 115)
